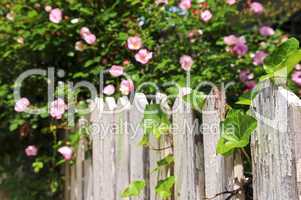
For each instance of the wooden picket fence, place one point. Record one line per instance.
(118, 159)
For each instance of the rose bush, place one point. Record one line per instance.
(150, 40)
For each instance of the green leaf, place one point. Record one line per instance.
(247, 98)
(236, 131)
(154, 122)
(37, 166)
(166, 161)
(283, 60)
(134, 189)
(196, 99)
(164, 187)
(273, 61)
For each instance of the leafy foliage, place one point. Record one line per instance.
(134, 189)
(236, 131)
(164, 187)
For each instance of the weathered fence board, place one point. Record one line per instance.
(274, 145)
(188, 179)
(118, 159)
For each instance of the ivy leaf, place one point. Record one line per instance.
(164, 187)
(283, 60)
(155, 122)
(236, 131)
(166, 161)
(246, 98)
(272, 62)
(134, 189)
(196, 99)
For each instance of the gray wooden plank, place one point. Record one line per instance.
(273, 143)
(108, 128)
(97, 148)
(122, 149)
(188, 181)
(138, 155)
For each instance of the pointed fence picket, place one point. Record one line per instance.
(118, 159)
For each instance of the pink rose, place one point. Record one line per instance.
(240, 49)
(249, 85)
(56, 15)
(57, 108)
(134, 43)
(206, 15)
(296, 77)
(259, 57)
(185, 4)
(109, 89)
(22, 104)
(86, 35)
(116, 70)
(230, 40)
(83, 31)
(143, 56)
(231, 2)
(245, 75)
(158, 2)
(31, 150)
(89, 38)
(233, 40)
(66, 152)
(126, 86)
(257, 8)
(186, 62)
(266, 31)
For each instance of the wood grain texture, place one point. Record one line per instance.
(139, 164)
(220, 172)
(188, 185)
(273, 145)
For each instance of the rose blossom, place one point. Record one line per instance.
(109, 89)
(240, 49)
(66, 152)
(31, 150)
(143, 56)
(116, 70)
(22, 104)
(232, 40)
(266, 31)
(83, 31)
(256, 7)
(89, 38)
(259, 57)
(48, 8)
(298, 67)
(56, 15)
(186, 62)
(231, 2)
(134, 43)
(206, 15)
(86, 35)
(296, 77)
(79, 46)
(185, 4)
(245, 75)
(249, 85)
(57, 108)
(126, 86)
